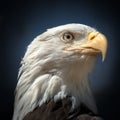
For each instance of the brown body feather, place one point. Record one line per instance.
(61, 111)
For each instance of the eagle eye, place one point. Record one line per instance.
(67, 37)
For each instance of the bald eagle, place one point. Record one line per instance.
(53, 79)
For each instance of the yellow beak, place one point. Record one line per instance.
(95, 45)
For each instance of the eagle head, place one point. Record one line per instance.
(57, 64)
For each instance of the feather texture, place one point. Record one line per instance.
(48, 72)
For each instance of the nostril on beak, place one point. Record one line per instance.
(92, 35)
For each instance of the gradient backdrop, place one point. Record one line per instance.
(21, 21)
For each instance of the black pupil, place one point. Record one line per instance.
(68, 36)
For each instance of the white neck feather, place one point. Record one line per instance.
(69, 79)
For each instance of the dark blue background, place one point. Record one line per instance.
(21, 21)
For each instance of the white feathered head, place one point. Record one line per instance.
(56, 64)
